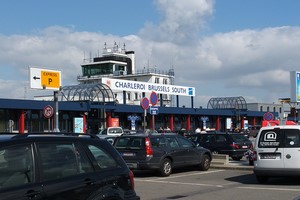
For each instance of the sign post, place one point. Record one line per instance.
(153, 109)
(47, 79)
(145, 105)
(48, 113)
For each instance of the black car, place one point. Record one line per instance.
(62, 166)
(161, 152)
(233, 144)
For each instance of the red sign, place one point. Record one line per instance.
(48, 111)
(268, 116)
(153, 98)
(145, 103)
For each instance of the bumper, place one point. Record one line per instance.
(276, 172)
(142, 165)
(235, 153)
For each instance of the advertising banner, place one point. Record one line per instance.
(295, 86)
(78, 125)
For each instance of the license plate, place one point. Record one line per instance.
(128, 154)
(244, 147)
(132, 165)
(268, 156)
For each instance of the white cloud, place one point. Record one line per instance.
(182, 21)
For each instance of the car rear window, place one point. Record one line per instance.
(130, 142)
(269, 139)
(115, 131)
(239, 138)
(279, 138)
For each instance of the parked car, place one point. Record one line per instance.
(161, 152)
(276, 152)
(233, 144)
(113, 131)
(62, 166)
(110, 133)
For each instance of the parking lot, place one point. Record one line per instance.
(213, 184)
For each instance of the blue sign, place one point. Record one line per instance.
(153, 110)
(133, 118)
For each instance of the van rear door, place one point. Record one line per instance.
(270, 148)
(291, 155)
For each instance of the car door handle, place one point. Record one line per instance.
(32, 194)
(89, 181)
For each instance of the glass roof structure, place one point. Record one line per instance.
(237, 103)
(87, 92)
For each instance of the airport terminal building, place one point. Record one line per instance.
(113, 92)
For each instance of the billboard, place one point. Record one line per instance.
(295, 86)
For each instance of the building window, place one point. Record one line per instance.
(268, 109)
(156, 80)
(165, 81)
(274, 109)
(261, 108)
(128, 96)
(136, 96)
(280, 110)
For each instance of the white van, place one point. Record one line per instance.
(277, 152)
(112, 131)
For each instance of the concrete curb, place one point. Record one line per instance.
(232, 167)
(221, 161)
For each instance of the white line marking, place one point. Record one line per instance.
(179, 176)
(265, 188)
(179, 183)
(193, 174)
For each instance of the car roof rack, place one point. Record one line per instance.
(25, 135)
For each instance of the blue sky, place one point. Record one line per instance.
(222, 48)
(24, 17)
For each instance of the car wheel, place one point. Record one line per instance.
(205, 163)
(262, 179)
(214, 152)
(166, 167)
(237, 158)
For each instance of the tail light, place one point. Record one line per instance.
(149, 151)
(235, 146)
(251, 146)
(131, 176)
(254, 156)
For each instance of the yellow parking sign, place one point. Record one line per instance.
(50, 79)
(45, 79)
